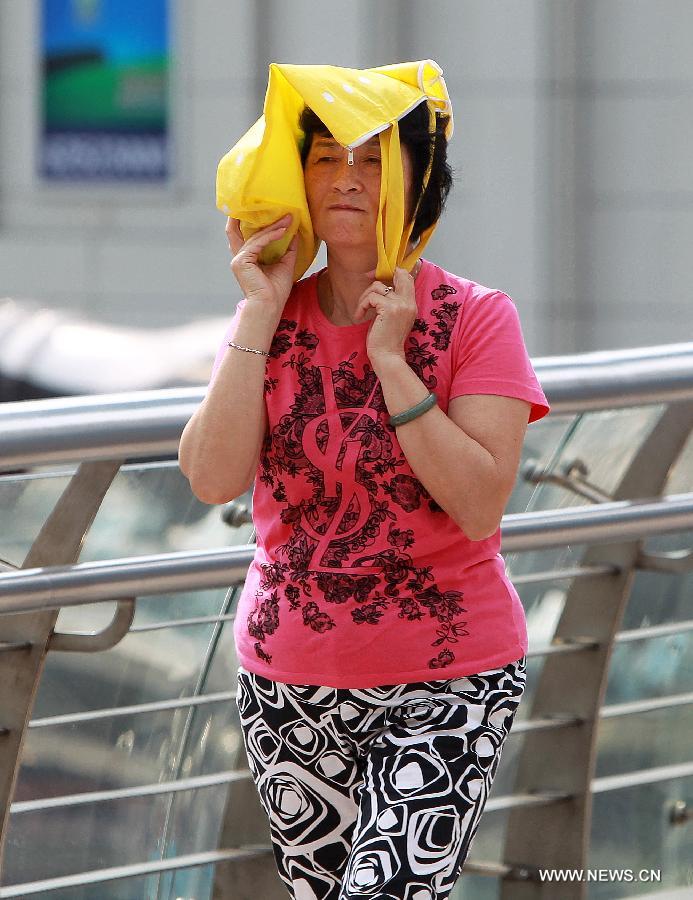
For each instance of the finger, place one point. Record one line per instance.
(248, 254)
(371, 300)
(401, 279)
(285, 221)
(233, 233)
(265, 236)
(289, 255)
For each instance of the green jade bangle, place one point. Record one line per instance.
(412, 413)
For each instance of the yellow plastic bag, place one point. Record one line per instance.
(261, 178)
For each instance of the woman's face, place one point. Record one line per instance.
(343, 200)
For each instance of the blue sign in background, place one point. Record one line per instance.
(105, 89)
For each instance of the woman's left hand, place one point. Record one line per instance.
(395, 310)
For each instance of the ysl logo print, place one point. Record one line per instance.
(336, 474)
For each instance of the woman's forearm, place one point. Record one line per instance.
(458, 473)
(220, 446)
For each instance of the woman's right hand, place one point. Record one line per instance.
(267, 284)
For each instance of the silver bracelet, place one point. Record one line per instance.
(413, 412)
(248, 349)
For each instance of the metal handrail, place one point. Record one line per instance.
(667, 701)
(54, 587)
(198, 782)
(601, 523)
(650, 631)
(132, 870)
(182, 623)
(154, 789)
(642, 776)
(569, 572)
(93, 715)
(147, 423)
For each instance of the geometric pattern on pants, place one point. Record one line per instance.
(375, 792)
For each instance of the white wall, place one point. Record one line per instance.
(572, 149)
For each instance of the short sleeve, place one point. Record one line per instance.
(489, 355)
(228, 336)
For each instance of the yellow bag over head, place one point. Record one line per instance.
(261, 178)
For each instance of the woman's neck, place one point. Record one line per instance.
(340, 288)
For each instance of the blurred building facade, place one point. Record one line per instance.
(574, 188)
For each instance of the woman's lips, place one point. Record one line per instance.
(345, 207)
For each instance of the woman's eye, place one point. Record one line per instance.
(326, 159)
(373, 159)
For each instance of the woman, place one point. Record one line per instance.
(381, 643)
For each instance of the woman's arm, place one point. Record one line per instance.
(220, 446)
(468, 459)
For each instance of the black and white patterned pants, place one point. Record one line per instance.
(376, 792)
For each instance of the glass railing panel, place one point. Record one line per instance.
(145, 666)
(106, 754)
(543, 440)
(645, 740)
(72, 840)
(149, 611)
(658, 665)
(543, 602)
(123, 889)
(150, 508)
(633, 826)
(545, 445)
(631, 829)
(122, 750)
(606, 442)
(26, 500)
(214, 743)
(476, 887)
(652, 668)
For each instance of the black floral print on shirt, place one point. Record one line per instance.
(335, 436)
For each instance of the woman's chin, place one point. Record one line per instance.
(345, 239)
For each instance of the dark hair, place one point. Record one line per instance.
(414, 134)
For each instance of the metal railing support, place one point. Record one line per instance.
(563, 760)
(95, 641)
(59, 542)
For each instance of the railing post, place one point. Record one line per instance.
(58, 543)
(556, 836)
(245, 824)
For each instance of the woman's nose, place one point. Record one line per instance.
(346, 176)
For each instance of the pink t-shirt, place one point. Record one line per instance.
(360, 578)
